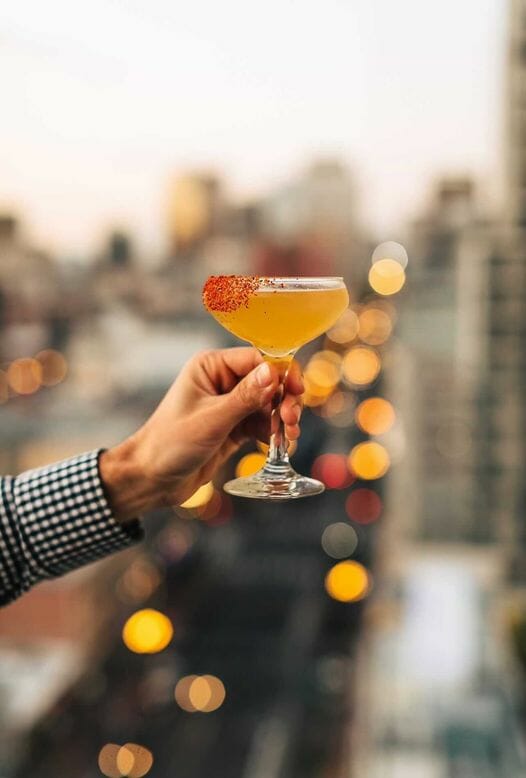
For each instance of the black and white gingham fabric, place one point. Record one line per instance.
(54, 519)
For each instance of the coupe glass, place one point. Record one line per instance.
(277, 316)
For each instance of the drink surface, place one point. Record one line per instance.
(279, 321)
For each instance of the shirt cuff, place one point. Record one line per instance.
(64, 517)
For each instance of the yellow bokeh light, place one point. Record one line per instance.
(134, 761)
(369, 460)
(147, 632)
(125, 760)
(347, 581)
(323, 370)
(199, 693)
(361, 366)
(217, 693)
(345, 329)
(250, 464)
(54, 366)
(200, 497)
(182, 693)
(386, 277)
(108, 760)
(314, 394)
(375, 416)
(25, 376)
(375, 326)
(203, 693)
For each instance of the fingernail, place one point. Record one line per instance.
(297, 411)
(263, 375)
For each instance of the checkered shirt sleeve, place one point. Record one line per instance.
(54, 519)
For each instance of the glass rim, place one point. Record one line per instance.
(271, 282)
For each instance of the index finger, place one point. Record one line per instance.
(240, 360)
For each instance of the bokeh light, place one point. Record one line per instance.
(206, 693)
(315, 395)
(339, 408)
(363, 506)
(54, 366)
(107, 760)
(200, 693)
(25, 376)
(138, 582)
(147, 632)
(134, 761)
(361, 366)
(386, 277)
(346, 328)
(390, 249)
(323, 370)
(127, 761)
(375, 416)
(211, 507)
(332, 470)
(174, 542)
(375, 326)
(182, 693)
(339, 540)
(250, 464)
(369, 460)
(347, 581)
(199, 497)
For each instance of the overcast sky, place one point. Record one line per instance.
(102, 102)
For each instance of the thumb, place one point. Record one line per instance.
(251, 394)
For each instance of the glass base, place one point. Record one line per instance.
(274, 484)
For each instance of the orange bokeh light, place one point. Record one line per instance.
(147, 631)
(375, 326)
(386, 277)
(250, 464)
(361, 366)
(25, 376)
(347, 581)
(369, 460)
(345, 329)
(54, 366)
(375, 416)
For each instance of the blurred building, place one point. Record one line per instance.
(311, 227)
(30, 313)
(505, 401)
(437, 383)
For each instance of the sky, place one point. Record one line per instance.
(104, 102)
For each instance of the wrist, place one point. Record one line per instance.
(128, 490)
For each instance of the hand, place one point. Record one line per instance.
(219, 400)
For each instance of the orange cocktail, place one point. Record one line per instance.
(278, 316)
(278, 321)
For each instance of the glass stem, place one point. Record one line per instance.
(277, 457)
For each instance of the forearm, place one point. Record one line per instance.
(55, 519)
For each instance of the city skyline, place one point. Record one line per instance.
(104, 105)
